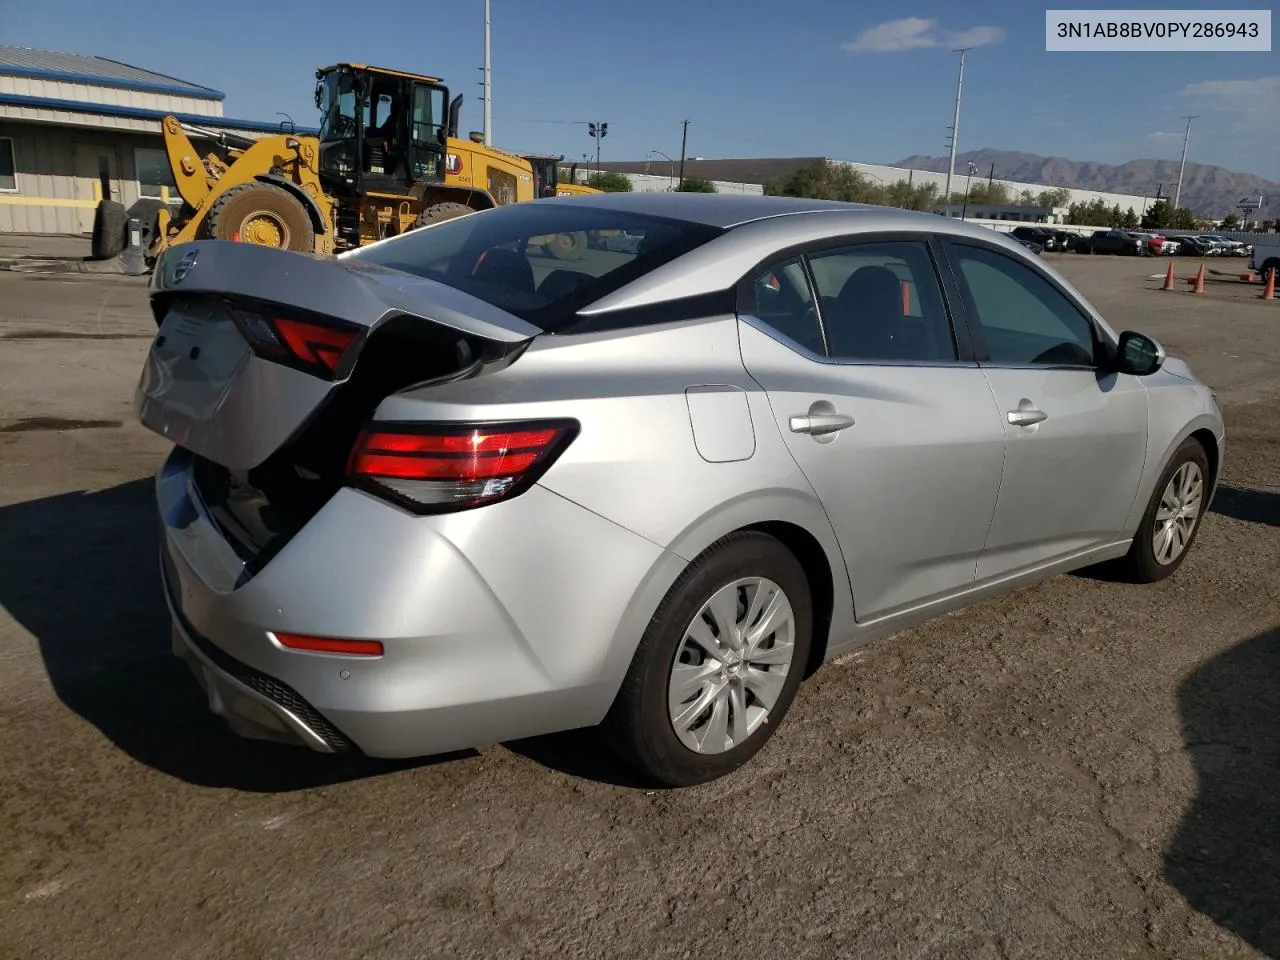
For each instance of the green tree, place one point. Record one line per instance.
(824, 180)
(696, 185)
(1130, 220)
(912, 196)
(1182, 219)
(609, 182)
(1027, 199)
(1158, 216)
(1057, 197)
(1231, 221)
(1094, 213)
(985, 194)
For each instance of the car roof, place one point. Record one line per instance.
(717, 209)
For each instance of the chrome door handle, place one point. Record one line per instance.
(820, 424)
(1024, 417)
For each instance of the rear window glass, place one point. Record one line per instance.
(541, 262)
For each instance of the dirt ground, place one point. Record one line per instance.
(1079, 770)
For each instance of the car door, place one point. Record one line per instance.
(1075, 430)
(882, 409)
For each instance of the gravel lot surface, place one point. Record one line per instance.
(1079, 770)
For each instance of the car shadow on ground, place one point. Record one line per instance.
(83, 578)
(1241, 503)
(81, 574)
(582, 754)
(1225, 856)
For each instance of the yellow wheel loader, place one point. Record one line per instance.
(387, 159)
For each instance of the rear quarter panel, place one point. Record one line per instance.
(635, 461)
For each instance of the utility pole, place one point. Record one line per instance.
(1177, 193)
(684, 142)
(488, 83)
(955, 127)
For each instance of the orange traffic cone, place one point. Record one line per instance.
(1269, 291)
(1168, 278)
(1199, 288)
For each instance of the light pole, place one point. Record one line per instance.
(671, 167)
(965, 209)
(597, 131)
(955, 123)
(1177, 192)
(488, 83)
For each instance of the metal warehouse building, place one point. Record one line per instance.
(73, 126)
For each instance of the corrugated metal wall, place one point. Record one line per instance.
(58, 163)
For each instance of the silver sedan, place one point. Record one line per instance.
(466, 485)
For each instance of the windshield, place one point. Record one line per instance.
(336, 98)
(337, 106)
(540, 262)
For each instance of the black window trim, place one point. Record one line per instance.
(1103, 348)
(956, 319)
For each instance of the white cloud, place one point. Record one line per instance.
(976, 37)
(1164, 135)
(912, 33)
(1236, 94)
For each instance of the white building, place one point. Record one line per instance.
(757, 170)
(73, 127)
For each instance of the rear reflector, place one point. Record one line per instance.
(316, 345)
(352, 648)
(438, 468)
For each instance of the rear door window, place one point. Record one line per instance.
(882, 301)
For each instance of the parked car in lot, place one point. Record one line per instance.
(1112, 241)
(1192, 246)
(1229, 247)
(1221, 246)
(1066, 239)
(1039, 236)
(1030, 245)
(448, 490)
(1266, 256)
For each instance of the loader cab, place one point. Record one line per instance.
(381, 131)
(546, 174)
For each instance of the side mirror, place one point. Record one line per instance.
(1138, 355)
(319, 95)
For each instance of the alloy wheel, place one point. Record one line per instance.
(1178, 513)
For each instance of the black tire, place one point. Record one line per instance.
(1140, 565)
(567, 246)
(438, 212)
(280, 214)
(638, 726)
(109, 225)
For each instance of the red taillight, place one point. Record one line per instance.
(435, 468)
(320, 347)
(351, 648)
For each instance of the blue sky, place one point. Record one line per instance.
(870, 81)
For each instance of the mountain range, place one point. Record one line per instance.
(1208, 190)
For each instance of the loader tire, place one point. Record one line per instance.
(109, 224)
(262, 214)
(567, 246)
(438, 212)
